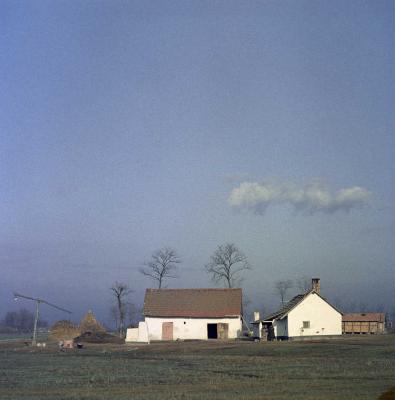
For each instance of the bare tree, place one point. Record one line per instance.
(21, 321)
(226, 264)
(303, 284)
(281, 287)
(163, 265)
(391, 317)
(119, 310)
(132, 315)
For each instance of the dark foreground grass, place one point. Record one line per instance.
(347, 368)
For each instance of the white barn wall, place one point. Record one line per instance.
(132, 335)
(191, 328)
(143, 333)
(137, 334)
(324, 319)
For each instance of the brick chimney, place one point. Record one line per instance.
(315, 285)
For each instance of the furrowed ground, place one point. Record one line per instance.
(346, 368)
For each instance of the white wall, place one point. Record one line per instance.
(143, 332)
(256, 329)
(132, 335)
(137, 334)
(191, 328)
(324, 319)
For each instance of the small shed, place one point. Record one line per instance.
(363, 323)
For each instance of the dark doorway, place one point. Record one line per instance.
(212, 331)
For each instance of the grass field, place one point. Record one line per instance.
(347, 368)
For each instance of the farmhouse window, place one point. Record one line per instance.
(306, 324)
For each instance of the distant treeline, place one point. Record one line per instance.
(20, 321)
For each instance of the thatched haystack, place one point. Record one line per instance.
(93, 332)
(64, 330)
(90, 324)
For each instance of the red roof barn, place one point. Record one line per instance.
(178, 314)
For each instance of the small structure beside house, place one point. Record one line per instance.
(187, 314)
(305, 316)
(363, 323)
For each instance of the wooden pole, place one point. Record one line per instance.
(34, 340)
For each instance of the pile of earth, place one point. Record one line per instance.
(98, 337)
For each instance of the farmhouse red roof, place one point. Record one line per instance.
(209, 303)
(364, 317)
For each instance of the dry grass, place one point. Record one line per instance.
(347, 368)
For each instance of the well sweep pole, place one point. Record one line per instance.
(34, 341)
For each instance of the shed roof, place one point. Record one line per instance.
(287, 307)
(364, 317)
(282, 312)
(194, 303)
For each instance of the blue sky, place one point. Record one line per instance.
(129, 126)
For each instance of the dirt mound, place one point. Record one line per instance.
(64, 330)
(98, 337)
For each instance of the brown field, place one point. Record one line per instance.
(360, 367)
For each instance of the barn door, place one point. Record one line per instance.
(223, 331)
(167, 331)
(212, 332)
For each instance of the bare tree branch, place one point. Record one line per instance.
(163, 265)
(303, 284)
(281, 287)
(226, 263)
(119, 311)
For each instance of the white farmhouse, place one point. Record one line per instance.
(305, 316)
(172, 314)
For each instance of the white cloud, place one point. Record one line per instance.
(309, 199)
